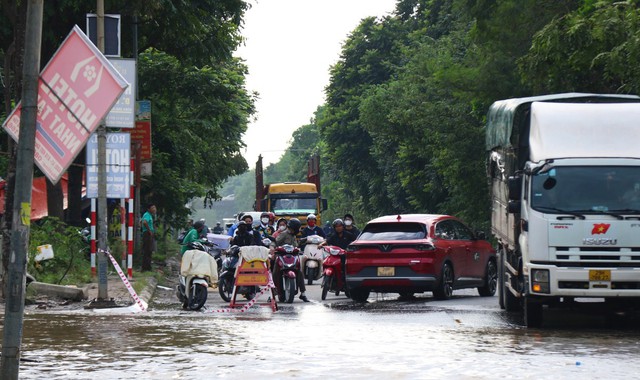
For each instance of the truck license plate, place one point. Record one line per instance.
(599, 275)
(386, 271)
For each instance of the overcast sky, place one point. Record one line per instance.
(290, 46)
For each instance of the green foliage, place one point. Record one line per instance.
(199, 116)
(70, 264)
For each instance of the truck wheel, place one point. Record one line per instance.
(490, 280)
(532, 313)
(511, 303)
(444, 289)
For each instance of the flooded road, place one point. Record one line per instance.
(468, 337)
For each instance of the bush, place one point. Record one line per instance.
(70, 264)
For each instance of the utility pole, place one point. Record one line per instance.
(14, 308)
(103, 300)
(103, 262)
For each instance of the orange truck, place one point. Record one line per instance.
(291, 199)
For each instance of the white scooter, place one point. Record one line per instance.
(312, 258)
(197, 271)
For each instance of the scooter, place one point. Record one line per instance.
(227, 278)
(312, 258)
(334, 280)
(287, 260)
(198, 269)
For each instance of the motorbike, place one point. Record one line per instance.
(334, 280)
(287, 259)
(312, 258)
(227, 278)
(198, 269)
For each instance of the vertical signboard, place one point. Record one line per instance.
(118, 165)
(122, 114)
(142, 134)
(75, 91)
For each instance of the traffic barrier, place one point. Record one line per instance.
(126, 282)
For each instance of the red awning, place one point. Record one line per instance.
(38, 196)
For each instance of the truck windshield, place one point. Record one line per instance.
(587, 189)
(293, 205)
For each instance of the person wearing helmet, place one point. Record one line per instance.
(247, 218)
(245, 235)
(192, 236)
(312, 228)
(265, 229)
(289, 236)
(205, 229)
(218, 229)
(339, 236)
(281, 225)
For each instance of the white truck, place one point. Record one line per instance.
(564, 174)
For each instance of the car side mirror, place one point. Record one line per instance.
(480, 235)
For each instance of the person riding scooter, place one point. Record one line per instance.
(245, 235)
(288, 236)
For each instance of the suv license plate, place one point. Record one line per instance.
(599, 275)
(386, 271)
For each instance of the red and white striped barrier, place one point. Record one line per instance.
(132, 291)
(246, 307)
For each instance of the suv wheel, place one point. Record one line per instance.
(359, 294)
(444, 289)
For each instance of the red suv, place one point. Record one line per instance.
(415, 253)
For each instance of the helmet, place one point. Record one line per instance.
(311, 216)
(337, 222)
(242, 225)
(234, 250)
(294, 224)
(247, 215)
(198, 225)
(265, 215)
(196, 245)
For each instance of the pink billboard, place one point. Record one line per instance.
(76, 90)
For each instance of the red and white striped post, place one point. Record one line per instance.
(131, 224)
(123, 231)
(93, 236)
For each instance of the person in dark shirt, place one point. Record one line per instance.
(245, 235)
(339, 237)
(350, 226)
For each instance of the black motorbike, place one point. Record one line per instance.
(227, 279)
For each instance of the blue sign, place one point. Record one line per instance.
(118, 165)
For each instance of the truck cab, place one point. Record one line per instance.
(565, 209)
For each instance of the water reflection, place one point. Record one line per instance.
(403, 340)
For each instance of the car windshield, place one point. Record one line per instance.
(294, 205)
(393, 231)
(587, 189)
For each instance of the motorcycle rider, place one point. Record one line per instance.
(281, 225)
(339, 236)
(265, 229)
(288, 236)
(349, 225)
(245, 235)
(192, 235)
(312, 228)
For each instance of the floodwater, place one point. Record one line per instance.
(465, 338)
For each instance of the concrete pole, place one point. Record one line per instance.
(103, 261)
(14, 308)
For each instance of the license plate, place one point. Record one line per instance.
(599, 275)
(386, 271)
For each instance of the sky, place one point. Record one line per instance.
(289, 49)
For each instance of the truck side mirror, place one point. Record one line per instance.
(324, 204)
(514, 185)
(263, 204)
(514, 207)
